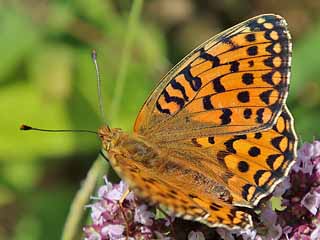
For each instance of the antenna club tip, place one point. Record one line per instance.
(25, 127)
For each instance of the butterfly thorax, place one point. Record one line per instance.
(120, 144)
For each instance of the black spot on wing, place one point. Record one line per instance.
(254, 151)
(211, 140)
(217, 86)
(268, 78)
(251, 37)
(175, 99)
(245, 191)
(243, 96)
(260, 115)
(163, 110)
(214, 59)
(229, 146)
(178, 86)
(225, 116)
(276, 142)
(207, 105)
(192, 196)
(243, 166)
(252, 51)
(215, 207)
(195, 82)
(265, 96)
(195, 142)
(258, 175)
(269, 62)
(247, 113)
(257, 135)
(234, 66)
(247, 78)
(271, 159)
(229, 143)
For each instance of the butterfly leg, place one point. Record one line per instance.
(125, 194)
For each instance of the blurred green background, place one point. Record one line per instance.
(47, 80)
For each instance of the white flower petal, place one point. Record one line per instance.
(113, 230)
(311, 201)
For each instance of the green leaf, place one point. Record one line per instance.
(18, 38)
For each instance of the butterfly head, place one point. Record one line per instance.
(109, 137)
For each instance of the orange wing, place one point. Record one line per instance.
(179, 195)
(207, 179)
(234, 83)
(249, 165)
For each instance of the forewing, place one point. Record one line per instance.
(236, 82)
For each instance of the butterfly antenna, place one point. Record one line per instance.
(28, 128)
(100, 99)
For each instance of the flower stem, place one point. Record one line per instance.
(74, 218)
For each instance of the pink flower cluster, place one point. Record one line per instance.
(132, 220)
(299, 219)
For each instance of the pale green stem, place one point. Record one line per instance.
(71, 229)
(72, 226)
(125, 58)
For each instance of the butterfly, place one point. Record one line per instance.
(215, 135)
